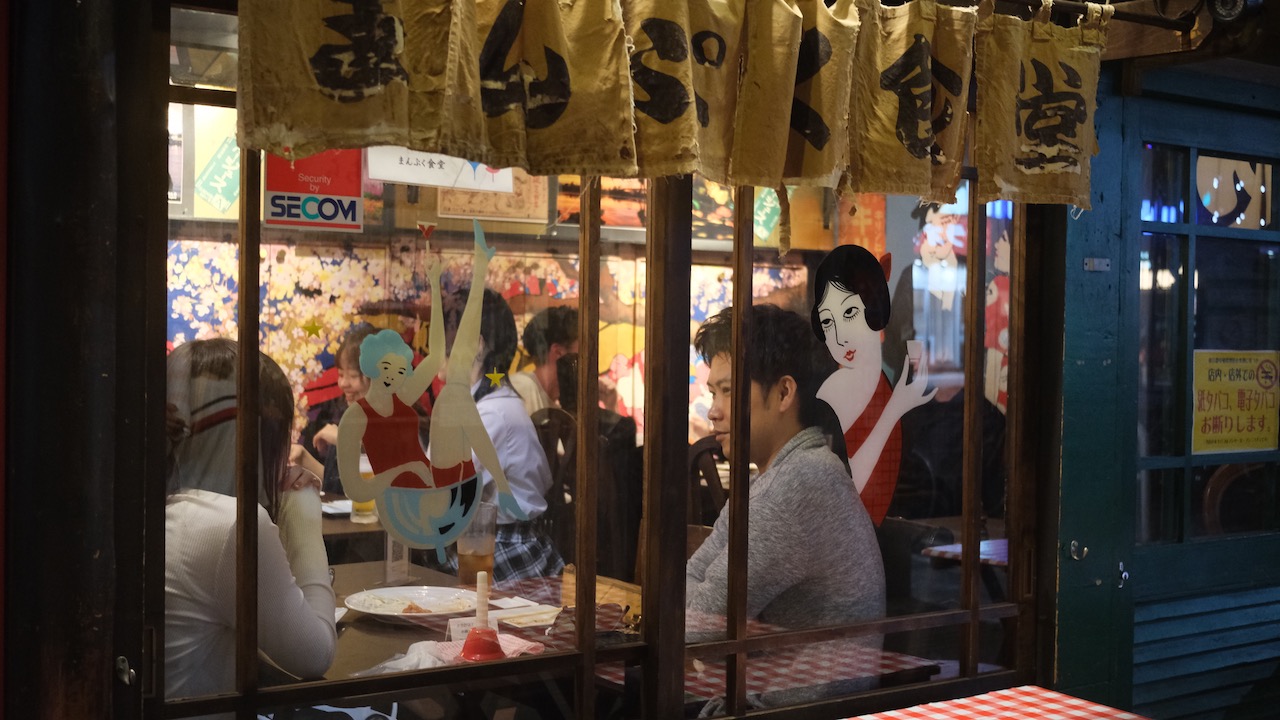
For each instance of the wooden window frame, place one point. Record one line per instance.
(662, 651)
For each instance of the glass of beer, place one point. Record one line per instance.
(364, 512)
(475, 544)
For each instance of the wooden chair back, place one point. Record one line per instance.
(558, 435)
(698, 534)
(707, 495)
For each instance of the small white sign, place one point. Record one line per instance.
(459, 627)
(402, 165)
(396, 563)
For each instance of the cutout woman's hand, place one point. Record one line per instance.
(908, 395)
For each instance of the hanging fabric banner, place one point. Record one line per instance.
(889, 121)
(716, 47)
(342, 77)
(910, 90)
(594, 134)
(554, 86)
(662, 86)
(854, 93)
(1035, 134)
(764, 119)
(952, 70)
(817, 146)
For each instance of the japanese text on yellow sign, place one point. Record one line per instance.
(1235, 401)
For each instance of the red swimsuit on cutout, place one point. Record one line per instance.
(393, 440)
(878, 492)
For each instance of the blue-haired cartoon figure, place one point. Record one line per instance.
(850, 309)
(422, 503)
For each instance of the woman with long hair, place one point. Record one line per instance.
(295, 598)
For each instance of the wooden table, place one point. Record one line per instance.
(990, 552)
(340, 526)
(1021, 703)
(365, 641)
(335, 527)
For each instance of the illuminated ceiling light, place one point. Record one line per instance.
(1215, 183)
(1215, 217)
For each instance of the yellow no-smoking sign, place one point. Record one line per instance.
(1235, 401)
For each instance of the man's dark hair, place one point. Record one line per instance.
(777, 343)
(497, 330)
(853, 269)
(549, 327)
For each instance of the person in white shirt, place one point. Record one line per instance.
(549, 336)
(295, 598)
(522, 549)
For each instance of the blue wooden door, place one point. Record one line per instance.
(1170, 462)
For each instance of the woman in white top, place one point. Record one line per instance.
(295, 598)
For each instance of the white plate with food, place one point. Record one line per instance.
(407, 603)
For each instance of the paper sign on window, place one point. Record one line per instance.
(1235, 401)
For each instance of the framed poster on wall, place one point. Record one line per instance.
(528, 201)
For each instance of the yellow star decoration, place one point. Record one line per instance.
(313, 328)
(495, 377)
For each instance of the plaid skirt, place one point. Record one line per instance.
(521, 550)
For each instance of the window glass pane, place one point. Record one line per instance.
(1159, 506)
(778, 283)
(996, 327)
(204, 173)
(204, 49)
(322, 293)
(1234, 193)
(1164, 183)
(200, 512)
(1235, 498)
(801, 571)
(1237, 299)
(1160, 319)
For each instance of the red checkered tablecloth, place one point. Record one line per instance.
(1022, 703)
(792, 668)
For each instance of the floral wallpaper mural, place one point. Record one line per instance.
(313, 294)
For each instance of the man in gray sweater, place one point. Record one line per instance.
(812, 558)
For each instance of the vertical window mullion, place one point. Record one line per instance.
(247, 434)
(971, 472)
(587, 461)
(1020, 492)
(668, 259)
(1187, 332)
(739, 440)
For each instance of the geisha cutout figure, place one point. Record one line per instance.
(423, 502)
(851, 308)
